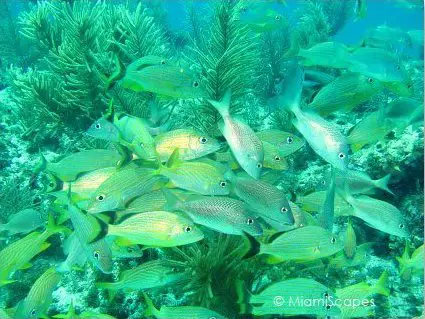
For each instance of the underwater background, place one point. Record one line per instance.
(211, 159)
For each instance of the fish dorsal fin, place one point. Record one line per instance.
(110, 113)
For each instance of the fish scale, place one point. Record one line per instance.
(306, 243)
(226, 215)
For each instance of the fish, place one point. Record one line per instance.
(327, 213)
(305, 243)
(378, 64)
(191, 144)
(287, 143)
(18, 254)
(313, 202)
(287, 298)
(267, 200)
(273, 158)
(76, 256)
(148, 202)
(135, 132)
(200, 177)
(4, 314)
(84, 186)
(23, 222)
(103, 129)
(150, 274)
(361, 293)
(156, 229)
(322, 136)
(223, 214)
(360, 9)
(122, 186)
(411, 265)
(359, 182)
(179, 312)
(361, 256)
(145, 61)
(378, 214)
(350, 241)
(87, 229)
(165, 80)
(244, 144)
(315, 78)
(71, 314)
(416, 37)
(345, 93)
(118, 251)
(327, 54)
(386, 37)
(410, 4)
(70, 167)
(397, 115)
(38, 299)
(259, 17)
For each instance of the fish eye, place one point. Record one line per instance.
(409, 86)
(333, 240)
(51, 184)
(283, 209)
(259, 165)
(249, 221)
(33, 312)
(100, 197)
(277, 18)
(398, 67)
(195, 84)
(203, 139)
(97, 126)
(130, 249)
(370, 80)
(244, 9)
(401, 226)
(341, 155)
(163, 62)
(96, 255)
(223, 183)
(174, 269)
(277, 158)
(188, 229)
(323, 182)
(289, 140)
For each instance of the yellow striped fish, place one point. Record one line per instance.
(157, 229)
(191, 144)
(39, 297)
(18, 254)
(75, 164)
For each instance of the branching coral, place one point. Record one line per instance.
(76, 43)
(215, 266)
(227, 60)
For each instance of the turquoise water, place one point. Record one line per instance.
(211, 159)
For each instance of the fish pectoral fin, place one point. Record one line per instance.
(44, 246)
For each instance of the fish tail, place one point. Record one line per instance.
(223, 105)
(118, 73)
(382, 183)
(356, 147)
(103, 230)
(42, 164)
(381, 286)
(53, 228)
(150, 310)
(254, 246)
(3, 227)
(244, 296)
(172, 200)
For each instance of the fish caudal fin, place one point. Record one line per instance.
(42, 164)
(244, 296)
(292, 88)
(150, 309)
(356, 147)
(253, 246)
(172, 200)
(381, 286)
(223, 106)
(382, 183)
(53, 228)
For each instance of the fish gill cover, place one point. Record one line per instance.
(211, 159)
